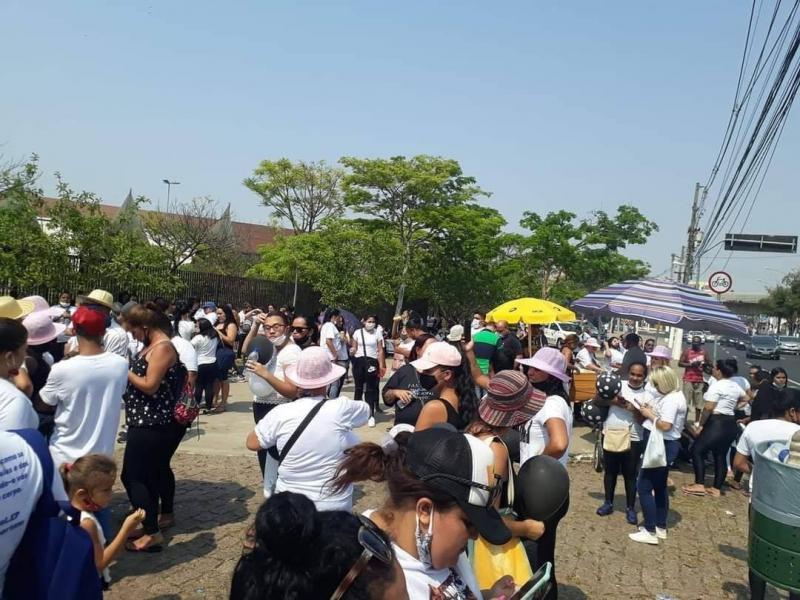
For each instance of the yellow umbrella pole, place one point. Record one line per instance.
(530, 340)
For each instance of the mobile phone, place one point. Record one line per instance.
(537, 586)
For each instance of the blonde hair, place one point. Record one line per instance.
(87, 473)
(665, 379)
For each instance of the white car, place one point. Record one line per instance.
(694, 334)
(556, 332)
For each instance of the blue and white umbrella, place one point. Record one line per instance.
(662, 301)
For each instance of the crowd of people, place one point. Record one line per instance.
(470, 411)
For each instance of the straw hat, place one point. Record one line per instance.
(99, 297)
(11, 308)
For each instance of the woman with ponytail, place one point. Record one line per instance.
(441, 490)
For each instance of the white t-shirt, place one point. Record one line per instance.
(371, 338)
(186, 353)
(87, 393)
(535, 430)
(584, 358)
(16, 410)
(615, 357)
(186, 330)
(85, 514)
(115, 340)
(764, 430)
(22, 479)
(315, 456)
(725, 393)
(619, 418)
(277, 365)
(206, 348)
(445, 583)
(742, 382)
(670, 409)
(134, 345)
(64, 337)
(330, 332)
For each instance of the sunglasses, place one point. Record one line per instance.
(494, 490)
(300, 329)
(375, 545)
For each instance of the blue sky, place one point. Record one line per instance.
(578, 105)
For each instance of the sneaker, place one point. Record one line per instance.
(644, 536)
(605, 510)
(371, 422)
(661, 533)
(630, 516)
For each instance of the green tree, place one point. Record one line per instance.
(348, 264)
(783, 301)
(566, 258)
(410, 197)
(300, 193)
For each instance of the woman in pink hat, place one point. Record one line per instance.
(42, 332)
(442, 371)
(660, 356)
(311, 433)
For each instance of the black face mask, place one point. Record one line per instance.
(301, 341)
(695, 347)
(427, 381)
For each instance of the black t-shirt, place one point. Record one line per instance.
(509, 349)
(767, 398)
(407, 378)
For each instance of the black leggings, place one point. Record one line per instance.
(544, 549)
(364, 378)
(147, 455)
(206, 376)
(166, 478)
(626, 464)
(717, 436)
(260, 410)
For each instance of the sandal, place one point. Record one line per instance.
(151, 549)
(713, 492)
(691, 490)
(217, 410)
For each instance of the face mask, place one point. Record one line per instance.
(300, 341)
(695, 347)
(475, 323)
(424, 541)
(427, 381)
(778, 385)
(278, 341)
(369, 326)
(64, 304)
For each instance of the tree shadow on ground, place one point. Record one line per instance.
(733, 552)
(571, 592)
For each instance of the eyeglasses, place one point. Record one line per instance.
(274, 327)
(375, 545)
(494, 490)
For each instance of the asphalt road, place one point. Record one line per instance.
(790, 362)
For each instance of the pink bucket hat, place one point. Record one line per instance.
(661, 352)
(313, 369)
(438, 354)
(549, 360)
(41, 328)
(41, 305)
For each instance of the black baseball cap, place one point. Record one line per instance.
(462, 466)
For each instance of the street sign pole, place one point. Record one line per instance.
(719, 282)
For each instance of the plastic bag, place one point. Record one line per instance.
(655, 455)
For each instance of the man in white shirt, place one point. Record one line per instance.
(332, 340)
(86, 392)
(585, 359)
(115, 338)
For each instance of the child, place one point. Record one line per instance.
(88, 482)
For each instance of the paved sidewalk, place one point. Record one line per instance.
(219, 491)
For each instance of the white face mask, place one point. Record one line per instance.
(475, 323)
(278, 341)
(424, 540)
(64, 304)
(369, 326)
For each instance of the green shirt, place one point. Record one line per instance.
(486, 344)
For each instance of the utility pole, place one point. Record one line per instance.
(688, 269)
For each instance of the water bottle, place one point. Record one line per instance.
(254, 357)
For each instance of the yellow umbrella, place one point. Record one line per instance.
(532, 311)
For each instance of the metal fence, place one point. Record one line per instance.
(204, 286)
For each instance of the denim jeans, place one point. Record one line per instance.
(335, 389)
(652, 488)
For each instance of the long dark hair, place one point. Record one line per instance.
(181, 308)
(301, 552)
(552, 386)
(229, 316)
(204, 327)
(464, 386)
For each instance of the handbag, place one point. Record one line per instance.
(186, 408)
(655, 455)
(491, 561)
(617, 439)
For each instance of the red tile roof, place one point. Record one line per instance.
(249, 235)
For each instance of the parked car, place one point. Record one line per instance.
(693, 334)
(789, 345)
(557, 331)
(739, 344)
(763, 346)
(724, 340)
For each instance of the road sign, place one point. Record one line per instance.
(761, 243)
(720, 282)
